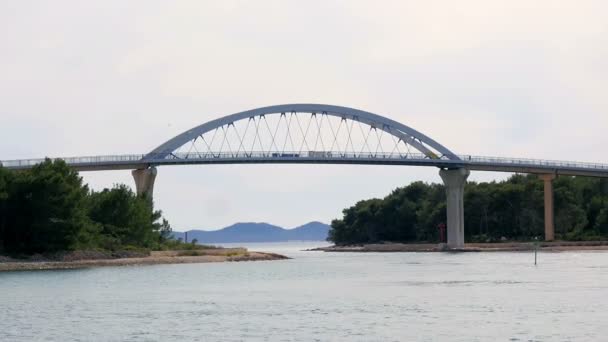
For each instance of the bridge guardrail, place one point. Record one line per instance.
(222, 155)
(532, 162)
(296, 154)
(312, 155)
(16, 163)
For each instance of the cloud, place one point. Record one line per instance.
(505, 78)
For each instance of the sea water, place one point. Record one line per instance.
(317, 296)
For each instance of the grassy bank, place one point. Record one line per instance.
(90, 259)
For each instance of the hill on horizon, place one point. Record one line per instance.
(258, 232)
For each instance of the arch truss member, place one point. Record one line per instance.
(310, 133)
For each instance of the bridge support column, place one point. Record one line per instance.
(144, 181)
(454, 181)
(549, 213)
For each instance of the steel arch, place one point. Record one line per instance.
(421, 142)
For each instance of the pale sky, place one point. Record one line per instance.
(498, 78)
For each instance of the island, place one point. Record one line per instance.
(85, 260)
(507, 246)
(505, 215)
(49, 219)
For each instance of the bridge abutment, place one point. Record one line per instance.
(144, 181)
(549, 210)
(454, 181)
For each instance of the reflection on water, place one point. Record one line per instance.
(317, 296)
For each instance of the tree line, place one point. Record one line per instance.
(48, 209)
(511, 209)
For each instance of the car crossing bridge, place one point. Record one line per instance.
(325, 134)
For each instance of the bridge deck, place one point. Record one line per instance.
(496, 164)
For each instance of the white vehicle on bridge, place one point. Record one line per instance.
(319, 154)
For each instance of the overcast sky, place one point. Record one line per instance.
(498, 78)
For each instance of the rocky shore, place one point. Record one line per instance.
(155, 258)
(554, 246)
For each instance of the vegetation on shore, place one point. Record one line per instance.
(49, 210)
(155, 258)
(512, 209)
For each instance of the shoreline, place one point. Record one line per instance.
(553, 246)
(155, 258)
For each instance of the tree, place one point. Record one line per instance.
(601, 224)
(5, 180)
(46, 207)
(570, 216)
(125, 218)
(512, 208)
(165, 232)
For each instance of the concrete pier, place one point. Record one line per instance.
(454, 181)
(549, 211)
(144, 181)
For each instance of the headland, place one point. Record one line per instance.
(549, 246)
(94, 259)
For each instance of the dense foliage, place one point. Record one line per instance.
(512, 209)
(49, 209)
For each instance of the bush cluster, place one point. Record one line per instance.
(511, 209)
(48, 209)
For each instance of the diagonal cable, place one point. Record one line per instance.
(365, 144)
(239, 136)
(191, 146)
(273, 136)
(396, 147)
(256, 136)
(223, 141)
(303, 134)
(212, 140)
(335, 135)
(379, 145)
(288, 134)
(349, 138)
(208, 147)
(409, 152)
(319, 132)
(198, 153)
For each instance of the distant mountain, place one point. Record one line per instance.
(315, 231)
(258, 232)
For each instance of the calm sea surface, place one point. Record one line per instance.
(317, 296)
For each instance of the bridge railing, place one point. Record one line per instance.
(150, 158)
(465, 159)
(311, 155)
(292, 154)
(124, 158)
(531, 162)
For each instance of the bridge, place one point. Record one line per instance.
(326, 134)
